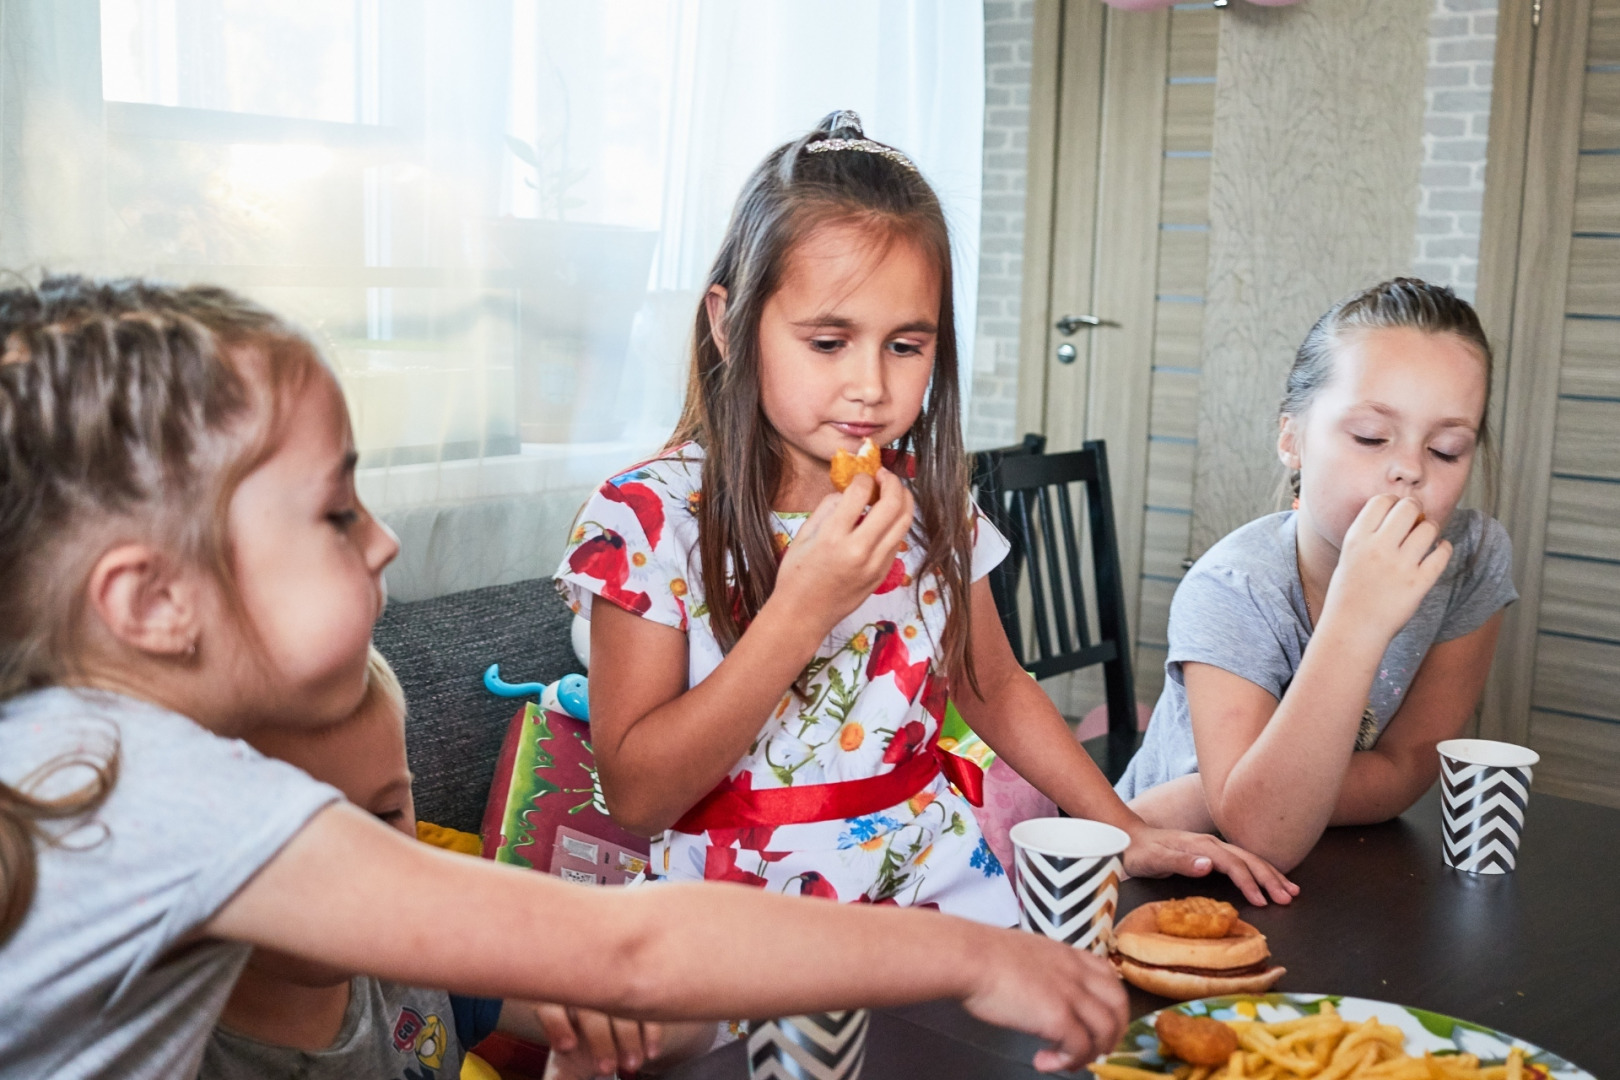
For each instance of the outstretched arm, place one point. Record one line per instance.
(1014, 715)
(353, 893)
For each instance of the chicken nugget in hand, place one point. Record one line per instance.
(846, 466)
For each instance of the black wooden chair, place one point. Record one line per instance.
(1026, 494)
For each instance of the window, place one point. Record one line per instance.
(495, 217)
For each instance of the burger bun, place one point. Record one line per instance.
(1183, 968)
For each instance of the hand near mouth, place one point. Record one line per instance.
(844, 551)
(1390, 559)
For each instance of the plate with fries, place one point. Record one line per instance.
(1326, 1037)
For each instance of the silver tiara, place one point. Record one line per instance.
(846, 118)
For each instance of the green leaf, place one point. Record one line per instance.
(783, 774)
(1432, 1022)
(525, 151)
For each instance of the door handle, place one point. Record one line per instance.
(1071, 323)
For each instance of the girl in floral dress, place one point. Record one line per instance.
(770, 669)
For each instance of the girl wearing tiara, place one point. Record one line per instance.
(772, 662)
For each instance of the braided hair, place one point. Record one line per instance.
(124, 412)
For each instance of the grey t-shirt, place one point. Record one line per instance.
(93, 984)
(389, 1032)
(1242, 608)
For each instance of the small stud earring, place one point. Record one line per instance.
(191, 649)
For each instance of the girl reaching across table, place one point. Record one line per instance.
(1318, 655)
(771, 664)
(184, 562)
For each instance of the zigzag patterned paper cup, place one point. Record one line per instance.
(1066, 872)
(816, 1046)
(1484, 789)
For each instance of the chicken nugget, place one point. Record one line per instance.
(845, 465)
(1197, 1040)
(1196, 917)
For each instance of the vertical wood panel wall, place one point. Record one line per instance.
(1183, 220)
(1317, 144)
(1574, 700)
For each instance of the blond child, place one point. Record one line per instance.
(292, 1017)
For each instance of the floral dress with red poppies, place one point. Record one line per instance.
(873, 699)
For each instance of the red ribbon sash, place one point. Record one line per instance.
(734, 805)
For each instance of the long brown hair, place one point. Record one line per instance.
(791, 194)
(123, 412)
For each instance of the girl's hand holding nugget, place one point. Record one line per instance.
(1389, 561)
(841, 554)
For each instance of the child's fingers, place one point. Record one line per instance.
(559, 1029)
(1268, 877)
(1401, 516)
(1372, 516)
(596, 1029)
(652, 1039)
(1103, 1014)
(1435, 562)
(863, 491)
(891, 502)
(1094, 1025)
(627, 1037)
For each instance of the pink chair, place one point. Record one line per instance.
(1009, 798)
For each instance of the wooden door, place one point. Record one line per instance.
(1121, 119)
(1552, 295)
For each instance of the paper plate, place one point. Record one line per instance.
(1424, 1031)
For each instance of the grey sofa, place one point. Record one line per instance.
(440, 648)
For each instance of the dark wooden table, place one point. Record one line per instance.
(1535, 953)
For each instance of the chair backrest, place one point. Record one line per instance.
(1028, 495)
(988, 494)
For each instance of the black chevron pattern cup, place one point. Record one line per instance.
(816, 1046)
(1484, 790)
(1066, 872)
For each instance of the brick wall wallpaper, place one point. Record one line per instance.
(1457, 116)
(1009, 27)
(1457, 99)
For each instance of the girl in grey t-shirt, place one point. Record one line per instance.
(1318, 655)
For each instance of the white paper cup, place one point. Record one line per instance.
(1484, 790)
(816, 1046)
(1066, 872)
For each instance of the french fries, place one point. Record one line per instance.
(1328, 1047)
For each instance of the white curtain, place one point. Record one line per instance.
(495, 216)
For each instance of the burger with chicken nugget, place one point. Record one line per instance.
(1193, 948)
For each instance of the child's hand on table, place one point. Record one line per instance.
(1162, 852)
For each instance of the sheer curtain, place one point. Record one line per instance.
(495, 217)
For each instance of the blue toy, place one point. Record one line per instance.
(568, 694)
